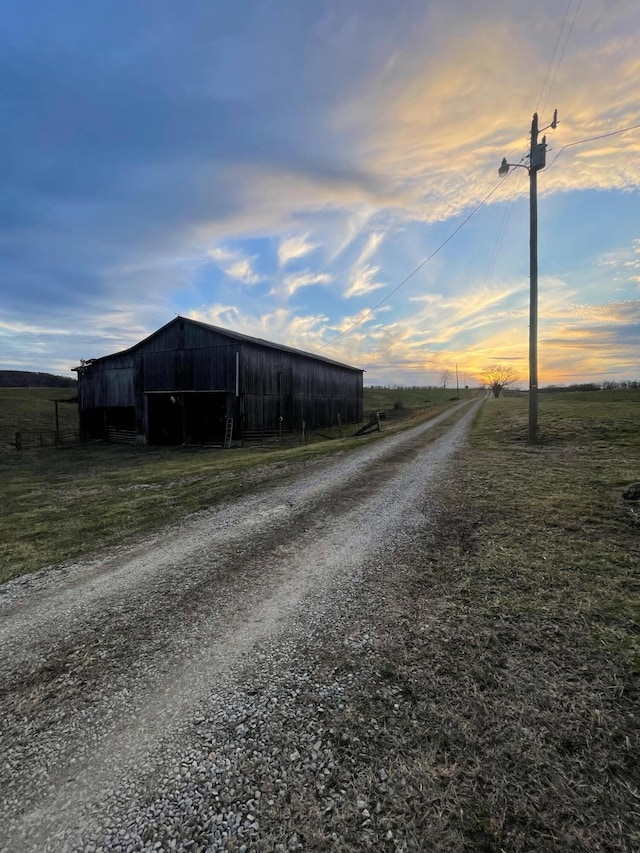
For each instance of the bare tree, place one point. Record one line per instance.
(498, 376)
(445, 377)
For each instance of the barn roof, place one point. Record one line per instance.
(237, 336)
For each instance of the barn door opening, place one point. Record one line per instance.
(205, 417)
(187, 417)
(165, 414)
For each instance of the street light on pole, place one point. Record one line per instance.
(537, 161)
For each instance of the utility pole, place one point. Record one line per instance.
(533, 278)
(537, 161)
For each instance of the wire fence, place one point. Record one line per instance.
(29, 439)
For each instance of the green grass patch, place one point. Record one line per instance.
(59, 504)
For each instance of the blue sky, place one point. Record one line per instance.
(278, 168)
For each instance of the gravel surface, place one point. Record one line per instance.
(168, 696)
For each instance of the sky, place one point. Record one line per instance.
(323, 175)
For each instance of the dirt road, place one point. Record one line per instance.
(161, 696)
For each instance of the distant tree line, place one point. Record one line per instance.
(403, 387)
(607, 385)
(30, 379)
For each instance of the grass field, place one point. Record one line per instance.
(411, 398)
(32, 411)
(556, 531)
(58, 504)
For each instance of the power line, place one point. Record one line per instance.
(417, 269)
(553, 55)
(593, 138)
(501, 233)
(590, 139)
(562, 54)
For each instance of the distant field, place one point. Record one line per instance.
(411, 398)
(612, 395)
(32, 411)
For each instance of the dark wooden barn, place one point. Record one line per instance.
(192, 383)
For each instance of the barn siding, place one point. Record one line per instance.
(298, 387)
(112, 384)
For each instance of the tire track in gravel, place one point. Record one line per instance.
(113, 670)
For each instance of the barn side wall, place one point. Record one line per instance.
(277, 383)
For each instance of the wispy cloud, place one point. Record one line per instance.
(362, 276)
(295, 247)
(234, 264)
(434, 134)
(363, 281)
(304, 332)
(624, 262)
(295, 281)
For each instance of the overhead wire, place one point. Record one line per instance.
(401, 284)
(566, 42)
(553, 55)
(502, 231)
(505, 219)
(503, 226)
(588, 139)
(600, 136)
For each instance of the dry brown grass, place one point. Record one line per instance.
(496, 677)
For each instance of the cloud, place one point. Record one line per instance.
(362, 277)
(234, 264)
(347, 140)
(624, 262)
(432, 128)
(363, 281)
(294, 247)
(295, 281)
(281, 325)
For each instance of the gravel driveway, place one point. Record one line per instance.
(151, 698)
